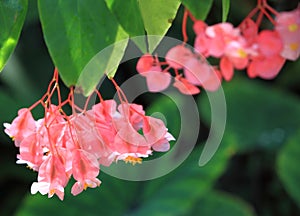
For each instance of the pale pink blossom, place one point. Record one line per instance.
(22, 126)
(288, 26)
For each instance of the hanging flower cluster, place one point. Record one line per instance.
(60, 145)
(262, 53)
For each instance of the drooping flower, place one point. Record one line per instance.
(52, 177)
(149, 67)
(22, 126)
(85, 169)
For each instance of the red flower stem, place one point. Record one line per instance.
(184, 22)
(176, 72)
(268, 16)
(99, 96)
(259, 18)
(121, 94)
(272, 10)
(192, 17)
(250, 15)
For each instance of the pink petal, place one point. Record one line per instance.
(157, 81)
(185, 87)
(226, 68)
(269, 43)
(177, 56)
(196, 71)
(213, 82)
(266, 68)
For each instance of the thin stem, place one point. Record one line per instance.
(184, 22)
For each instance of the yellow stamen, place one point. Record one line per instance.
(294, 46)
(293, 27)
(133, 160)
(242, 53)
(52, 192)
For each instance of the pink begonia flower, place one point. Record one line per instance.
(145, 63)
(269, 43)
(288, 26)
(31, 152)
(196, 70)
(177, 56)
(220, 34)
(249, 30)
(85, 168)
(88, 137)
(52, 178)
(157, 80)
(22, 126)
(149, 67)
(202, 42)
(185, 87)
(213, 82)
(264, 67)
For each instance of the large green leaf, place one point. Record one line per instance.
(75, 31)
(12, 16)
(177, 193)
(158, 17)
(258, 115)
(199, 9)
(288, 167)
(131, 21)
(216, 203)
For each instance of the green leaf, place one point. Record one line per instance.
(131, 21)
(225, 9)
(258, 115)
(177, 193)
(158, 17)
(199, 9)
(288, 167)
(12, 16)
(216, 203)
(111, 198)
(75, 31)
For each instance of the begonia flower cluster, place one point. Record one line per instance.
(59, 146)
(262, 53)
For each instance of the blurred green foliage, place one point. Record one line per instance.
(254, 172)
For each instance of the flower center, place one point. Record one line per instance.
(242, 53)
(293, 27)
(133, 160)
(294, 46)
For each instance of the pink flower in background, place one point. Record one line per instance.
(149, 67)
(177, 56)
(185, 87)
(288, 27)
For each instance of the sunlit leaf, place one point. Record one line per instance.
(12, 16)
(158, 17)
(75, 31)
(199, 9)
(288, 167)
